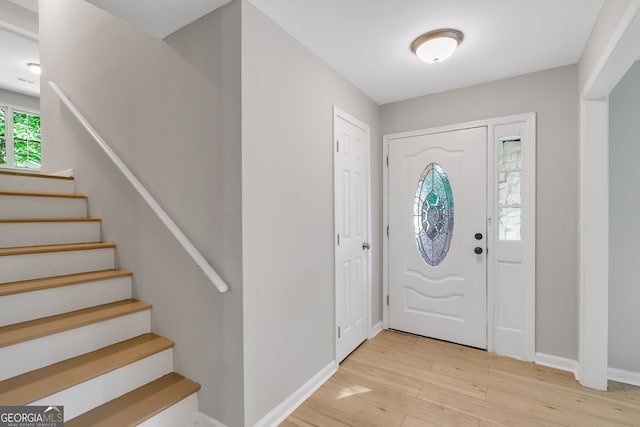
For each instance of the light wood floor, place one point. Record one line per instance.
(402, 380)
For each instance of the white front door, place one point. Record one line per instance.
(437, 235)
(351, 148)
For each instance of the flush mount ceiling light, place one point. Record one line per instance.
(34, 67)
(436, 46)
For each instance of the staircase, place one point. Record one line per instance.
(70, 333)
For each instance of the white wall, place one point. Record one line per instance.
(624, 229)
(171, 110)
(15, 99)
(608, 20)
(553, 95)
(288, 248)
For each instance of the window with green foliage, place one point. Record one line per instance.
(3, 139)
(26, 140)
(19, 139)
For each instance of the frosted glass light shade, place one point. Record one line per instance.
(34, 67)
(436, 46)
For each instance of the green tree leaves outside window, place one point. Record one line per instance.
(26, 140)
(3, 140)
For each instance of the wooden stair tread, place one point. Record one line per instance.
(35, 385)
(32, 329)
(24, 220)
(138, 405)
(59, 281)
(34, 175)
(36, 194)
(25, 250)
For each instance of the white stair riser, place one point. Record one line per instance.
(49, 302)
(182, 414)
(35, 266)
(18, 234)
(42, 207)
(98, 391)
(35, 184)
(37, 353)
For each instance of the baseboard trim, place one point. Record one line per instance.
(622, 376)
(203, 420)
(375, 330)
(557, 362)
(284, 409)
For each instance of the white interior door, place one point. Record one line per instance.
(351, 148)
(437, 236)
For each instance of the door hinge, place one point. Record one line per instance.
(387, 230)
(338, 331)
(387, 161)
(338, 239)
(338, 146)
(387, 300)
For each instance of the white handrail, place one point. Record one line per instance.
(201, 263)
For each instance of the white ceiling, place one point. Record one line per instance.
(17, 52)
(368, 41)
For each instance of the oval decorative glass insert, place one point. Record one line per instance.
(433, 214)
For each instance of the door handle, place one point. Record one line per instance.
(366, 245)
(478, 250)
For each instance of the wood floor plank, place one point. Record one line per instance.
(372, 390)
(406, 376)
(583, 401)
(431, 349)
(544, 412)
(396, 337)
(460, 386)
(480, 409)
(411, 421)
(372, 351)
(348, 400)
(392, 379)
(314, 413)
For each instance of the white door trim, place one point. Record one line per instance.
(339, 113)
(593, 275)
(528, 197)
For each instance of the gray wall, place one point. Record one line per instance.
(553, 95)
(8, 97)
(288, 251)
(624, 231)
(171, 110)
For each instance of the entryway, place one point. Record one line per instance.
(459, 250)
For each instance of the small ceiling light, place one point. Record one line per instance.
(436, 46)
(34, 67)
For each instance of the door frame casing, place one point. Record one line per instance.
(529, 165)
(615, 60)
(339, 113)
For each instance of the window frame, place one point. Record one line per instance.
(9, 109)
